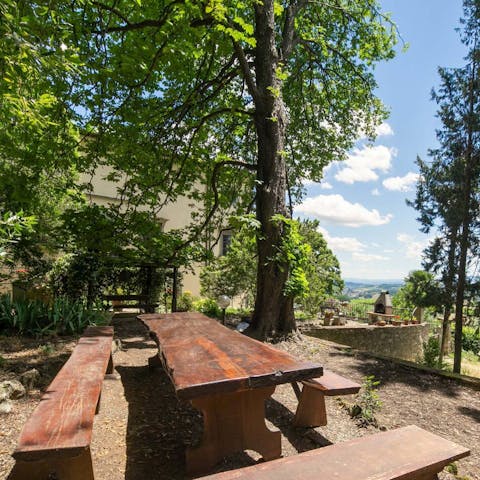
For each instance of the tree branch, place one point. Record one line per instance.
(247, 72)
(216, 202)
(289, 37)
(155, 23)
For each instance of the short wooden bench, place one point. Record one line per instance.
(134, 301)
(55, 441)
(408, 453)
(311, 409)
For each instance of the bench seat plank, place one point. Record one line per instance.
(63, 420)
(333, 384)
(203, 357)
(408, 453)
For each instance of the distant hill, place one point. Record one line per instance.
(370, 288)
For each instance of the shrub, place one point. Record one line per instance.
(185, 302)
(431, 352)
(471, 340)
(34, 318)
(367, 403)
(208, 307)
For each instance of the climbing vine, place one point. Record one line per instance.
(293, 252)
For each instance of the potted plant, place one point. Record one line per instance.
(397, 321)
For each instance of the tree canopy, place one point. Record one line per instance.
(232, 103)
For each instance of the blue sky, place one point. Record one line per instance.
(361, 202)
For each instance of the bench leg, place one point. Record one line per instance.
(233, 422)
(58, 468)
(110, 366)
(311, 409)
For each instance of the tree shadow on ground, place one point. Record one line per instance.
(471, 412)
(153, 441)
(390, 372)
(302, 439)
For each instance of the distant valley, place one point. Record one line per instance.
(370, 288)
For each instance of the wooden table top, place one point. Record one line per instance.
(202, 357)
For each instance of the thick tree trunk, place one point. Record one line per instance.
(273, 311)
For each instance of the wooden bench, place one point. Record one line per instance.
(311, 409)
(140, 301)
(55, 441)
(408, 453)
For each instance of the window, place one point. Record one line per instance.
(226, 240)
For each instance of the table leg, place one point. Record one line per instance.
(233, 422)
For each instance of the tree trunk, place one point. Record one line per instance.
(273, 310)
(465, 237)
(449, 289)
(445, 342)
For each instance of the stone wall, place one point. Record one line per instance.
(405, 342)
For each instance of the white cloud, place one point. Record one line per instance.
(341, 244)
(368, 257)
(384, 130)
(376, 192)
(361, 164)
(335, 209)
(414, 248)
(326, 186)
(401, 184)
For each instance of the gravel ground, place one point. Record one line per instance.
(141, 431)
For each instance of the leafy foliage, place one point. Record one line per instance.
(12, 228)
(419, 290)
(293, 254)
(367, 403)
(35, 318)
(471, 340)
(314, 272)
(322, 269)
(207, 306)
(431, 352)
(234, 274)
(187, 99)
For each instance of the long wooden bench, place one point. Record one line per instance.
(408, 453)
(311, 409)
(55, 441)
(131, 301)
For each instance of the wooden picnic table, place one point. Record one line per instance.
(227, 376)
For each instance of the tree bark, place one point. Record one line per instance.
(449, 289)
(273, 310)
(465, 237)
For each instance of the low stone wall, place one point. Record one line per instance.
(405, 342)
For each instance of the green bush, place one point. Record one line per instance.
(185, 302)
(34, 318)
(367, 403)
(471, 340)
(208, 307)
(431, 352)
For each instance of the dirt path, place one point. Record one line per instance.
(141, 430)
